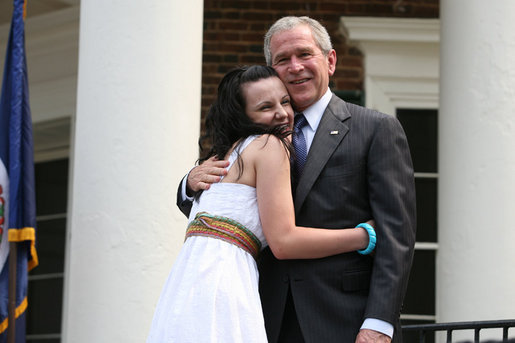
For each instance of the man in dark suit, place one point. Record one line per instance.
(358, 167)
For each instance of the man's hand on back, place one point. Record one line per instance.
(201, 177)
(371, 336)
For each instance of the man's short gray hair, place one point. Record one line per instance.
(320, 35)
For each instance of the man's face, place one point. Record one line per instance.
(301, 65)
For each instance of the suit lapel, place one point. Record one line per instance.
(329, 134)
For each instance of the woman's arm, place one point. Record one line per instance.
(287, 241)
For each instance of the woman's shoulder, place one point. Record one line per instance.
(267, 148)
(268, 142)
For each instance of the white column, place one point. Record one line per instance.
(476, 202)
(137, 124)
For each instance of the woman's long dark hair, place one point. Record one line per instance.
(227, 122)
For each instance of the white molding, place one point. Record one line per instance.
(52, 43)
(424, 317)
(52, 155)
(401, 60)
(426, 246)
(72, 2)
(426, 175)
(52, 139)
(41, 25)
(390, 29)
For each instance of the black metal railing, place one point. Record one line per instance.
(424, 329)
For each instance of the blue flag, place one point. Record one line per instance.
(17, 195)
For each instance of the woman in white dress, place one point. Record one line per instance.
(211, 294)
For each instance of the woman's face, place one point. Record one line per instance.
(268, 102)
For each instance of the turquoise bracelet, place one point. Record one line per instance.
(371, 238)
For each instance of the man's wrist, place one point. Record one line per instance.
(185, 194)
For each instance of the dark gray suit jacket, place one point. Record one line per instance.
(358, 167)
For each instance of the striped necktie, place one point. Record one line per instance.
(299, 144)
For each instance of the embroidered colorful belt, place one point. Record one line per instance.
(225, 229)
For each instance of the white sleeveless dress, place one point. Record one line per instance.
(211, 294)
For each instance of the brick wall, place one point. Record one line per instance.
(234, 31)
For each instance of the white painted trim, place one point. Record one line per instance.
(72, 2)
(401, 60)
(52, 155)
(426, 175)
(68, 16)
(51, 139)
(418, 317)
(51, 42)
(426, 246)
(390, 29)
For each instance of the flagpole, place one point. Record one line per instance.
(11, 328)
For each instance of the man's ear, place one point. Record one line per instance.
(331, 60)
